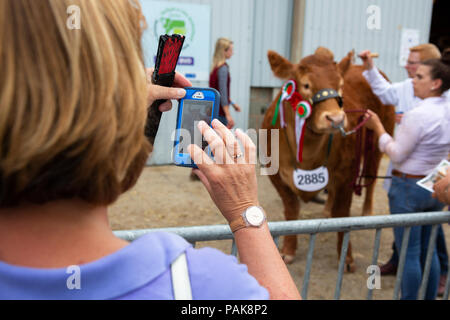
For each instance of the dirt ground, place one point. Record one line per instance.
(165, 197)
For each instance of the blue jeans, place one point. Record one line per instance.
(405, 196)
(441, 248)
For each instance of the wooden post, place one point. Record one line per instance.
(298, 23)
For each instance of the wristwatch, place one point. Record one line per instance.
(252, 217)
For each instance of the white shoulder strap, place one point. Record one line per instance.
(180, 279)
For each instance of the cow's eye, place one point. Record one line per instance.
(306, 86)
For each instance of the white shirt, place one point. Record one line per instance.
(422, 139)
(400, 94)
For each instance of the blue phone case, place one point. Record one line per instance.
(197, 97)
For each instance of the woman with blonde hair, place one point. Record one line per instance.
(73, 107)
(220, 80)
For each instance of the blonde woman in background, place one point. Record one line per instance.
(220, 80)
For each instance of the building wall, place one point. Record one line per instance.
(256, 26)
(342, 26)
(272, 31)
(246, 22)
(231, 19)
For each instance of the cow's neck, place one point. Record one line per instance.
(315, 149)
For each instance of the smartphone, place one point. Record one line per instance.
(199, 104)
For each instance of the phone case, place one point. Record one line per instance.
(210, 94)
(169, 50)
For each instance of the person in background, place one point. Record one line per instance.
(442, 189)
(73, 111)
(401, 95)
(421, 141)
(220, 80)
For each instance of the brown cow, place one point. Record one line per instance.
(312, 74)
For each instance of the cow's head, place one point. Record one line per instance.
(313, 74)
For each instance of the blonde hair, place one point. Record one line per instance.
(73, 102)
(426, 51)
(222, 45)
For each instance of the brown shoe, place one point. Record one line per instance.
(442, 281)
(388, 269)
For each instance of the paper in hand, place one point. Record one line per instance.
(438, 173)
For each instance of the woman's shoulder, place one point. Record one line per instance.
(222, 68)
(216, 275)
(431, 106)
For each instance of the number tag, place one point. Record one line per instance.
(310, 181)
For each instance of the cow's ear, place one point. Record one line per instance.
(324, 52)
(345, 63)
(281, 67)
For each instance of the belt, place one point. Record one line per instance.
(405, 175)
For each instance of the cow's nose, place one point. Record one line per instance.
(336, 119)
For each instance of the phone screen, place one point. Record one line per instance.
(193, 112)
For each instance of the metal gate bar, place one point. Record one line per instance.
(337, 292)
(313, 227)
(426, 272)
(376, 250)
(401, 263)
(312, 241)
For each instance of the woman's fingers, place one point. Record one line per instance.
(249, 148)
(166, 106)
(164, 93)
(231, 144)
(176, 92)
(181, 81)
(203, 179)
(199, 157)
(215, 142)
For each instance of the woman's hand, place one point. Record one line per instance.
(442, 189)
(156, 92)
(366, 57)
(237, 107)
(231, 178)
(230, 121)
(373, 122)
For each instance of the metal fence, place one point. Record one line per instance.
(316, 226)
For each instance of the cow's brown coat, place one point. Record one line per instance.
(312, 74)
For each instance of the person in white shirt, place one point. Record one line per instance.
(401, 95)
(421, 141)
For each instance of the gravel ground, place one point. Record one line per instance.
(166, 197)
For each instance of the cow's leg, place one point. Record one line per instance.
(374, 163)
(291, 206)
(341, 208)
(368, 200)
(329, 203)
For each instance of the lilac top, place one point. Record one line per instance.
(422, 139)
(141, 270)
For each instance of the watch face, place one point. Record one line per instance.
(254, 216)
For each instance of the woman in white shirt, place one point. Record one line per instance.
(421, 141)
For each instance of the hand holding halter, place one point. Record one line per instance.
(359, 126)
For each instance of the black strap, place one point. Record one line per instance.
(326, 94)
